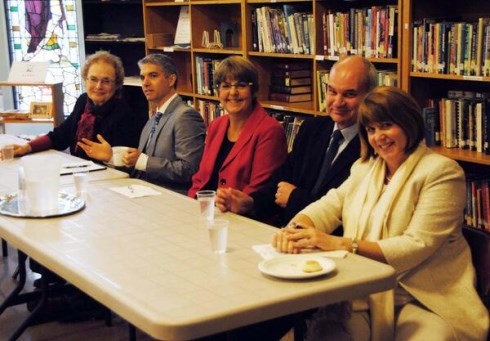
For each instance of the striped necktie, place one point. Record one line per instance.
(158, 116)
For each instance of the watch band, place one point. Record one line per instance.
(355, 245)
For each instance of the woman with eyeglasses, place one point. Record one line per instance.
(244, 146)
(100, 111)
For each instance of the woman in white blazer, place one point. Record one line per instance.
(402, 205)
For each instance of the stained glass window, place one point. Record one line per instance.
(46, 30)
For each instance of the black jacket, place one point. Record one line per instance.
(116, 122)
(302, 168)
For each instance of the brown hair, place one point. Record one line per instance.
(239, 68)
(106, 57)
(390, 104)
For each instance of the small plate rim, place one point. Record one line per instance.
(328, 265)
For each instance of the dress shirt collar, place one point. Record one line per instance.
(164, 106)
(348, 133)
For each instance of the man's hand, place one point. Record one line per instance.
(101, 151)
(229, 199)
(284, 190)
(131, 156)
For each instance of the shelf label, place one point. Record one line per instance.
(277, 107)
(320, 57)
(168, 49)
(473, 78)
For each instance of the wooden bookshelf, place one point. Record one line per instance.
(122, 18)
(161, 18)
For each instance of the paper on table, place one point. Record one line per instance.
(268, 252)
(73, 167)
(135, 191)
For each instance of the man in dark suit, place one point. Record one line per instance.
(305, 177)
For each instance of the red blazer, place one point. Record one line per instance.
(258, 152)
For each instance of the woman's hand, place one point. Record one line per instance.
(230, 199)
(99, 151)
(23, 149)
(302, 234)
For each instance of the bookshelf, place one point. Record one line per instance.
(426, 82)
(115, 26)
(56, 91)
(161, 17)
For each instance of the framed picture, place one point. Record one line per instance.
(40, 110)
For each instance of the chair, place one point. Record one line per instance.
(479, 241)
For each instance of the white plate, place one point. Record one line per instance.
(291, 266)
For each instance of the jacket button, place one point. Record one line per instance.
(222, 182)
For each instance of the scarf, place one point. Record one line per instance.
(373, 227)
(86, 124)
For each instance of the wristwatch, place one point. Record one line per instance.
(355, 245)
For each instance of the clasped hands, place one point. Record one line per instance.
(103, 151)
(298, 236)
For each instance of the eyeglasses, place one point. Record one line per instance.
(103, 81)
(240, 86)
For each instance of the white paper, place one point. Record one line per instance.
(266, 251)
(183, 31)
(28, 72)
(135, 191)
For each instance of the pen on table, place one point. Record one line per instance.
(79, 166)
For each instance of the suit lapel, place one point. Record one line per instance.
(150, 150)
(245, 136)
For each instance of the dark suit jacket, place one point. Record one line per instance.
(302, 168)
(115, 121)
(176, 149)
(258, 152)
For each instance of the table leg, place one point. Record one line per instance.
(132, 332)
(20, 284)
(5, 250)
(44, 294)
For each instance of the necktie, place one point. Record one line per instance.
(158, 116)
(332, 149)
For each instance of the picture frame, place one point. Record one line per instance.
(41, 110)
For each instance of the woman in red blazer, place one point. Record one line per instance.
(244, 147)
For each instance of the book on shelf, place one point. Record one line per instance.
(477, 211)
(280, 97)
(293, 90)
(287, 81)
(322, 83)
(482, 24)
(431, 120)
(290, 73)
(292, 66)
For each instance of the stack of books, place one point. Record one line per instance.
(291, 82)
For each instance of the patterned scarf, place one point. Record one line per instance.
(85, 128)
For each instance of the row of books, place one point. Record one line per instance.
(451, 46)
(370, 32)
(384, 77)
(461, 120)
(209, 110)
(290, 123)
(291, 82)
(205, 68)
(282, 30)
(477, 212)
